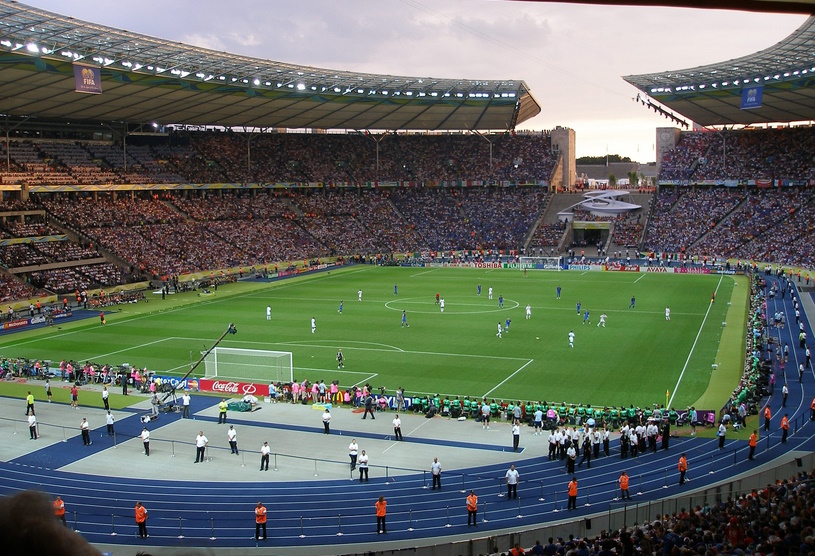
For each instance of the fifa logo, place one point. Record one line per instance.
(88, 77)
(752, 94)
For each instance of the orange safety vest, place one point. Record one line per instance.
(472, 502)
(141, 514)
(572, 488)
(260, 514)
(624, 482)
(683, 464)
(381, 508)
(785, 423)
(59, 508)
(767, 413)
(753, 440)
(812, 405)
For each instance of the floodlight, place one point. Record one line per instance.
(33, 48)
(301, 87)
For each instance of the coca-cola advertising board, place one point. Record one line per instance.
(229, 387)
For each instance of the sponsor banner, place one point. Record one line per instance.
(232, 388)
(579, 267)
(414, 264)
(729, 272)
(18, 323)
(87, 79)
(590, 225)
(186, 384)
(656, 269)
(36, 320)
(691, 270)
(619, 267)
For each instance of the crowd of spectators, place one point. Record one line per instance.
(686, 214)
(548, 236)
(774, 520)
(220, 157)
(742, 155)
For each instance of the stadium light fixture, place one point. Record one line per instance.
(7, 43)
(300, 87)
(33, 48)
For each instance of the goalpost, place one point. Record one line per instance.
(249, 365)
(541, 263)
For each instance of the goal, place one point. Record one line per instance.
(541, 263)
(250, 365)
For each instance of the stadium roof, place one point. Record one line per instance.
(146, 79)
(789, 6)
(783, 75)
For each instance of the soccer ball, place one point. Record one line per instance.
(537, 337)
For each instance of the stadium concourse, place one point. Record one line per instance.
(317, 505)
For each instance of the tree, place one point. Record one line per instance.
(612, 181)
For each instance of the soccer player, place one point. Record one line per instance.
(500, 300)
(441, 304)
(500, 330)
(571, 339)
(489, 293)
(404, 320)
(359, 295)
(340, 309)
(479, 289)
(558, 292)
(667, 313)
(586, 317)
(313, 325)
(506, 325)
(578, 308)
(633, 302)
(528, 312)
(268, 312)
(602, 320)
(437, 298)
(396, 289)
(340, 362)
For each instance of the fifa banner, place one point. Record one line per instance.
(751, 97)
(87, 79)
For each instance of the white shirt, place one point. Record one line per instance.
(313, 323)
(109, 418)
(265, 450)
(201, 441)
(105, 394)
(268, 311)
(353, 448)
(512, 476)
(145, 435)
(185, 399)
(363, 461)
(529, 309)
(359, 295)
(231, 435)
(441, 302)
(32, 421)
(435, 468)
(571, 337)
(84, 426)
(516, 430)
(397, 422)
(326, 417)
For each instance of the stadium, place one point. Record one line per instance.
(353, 239)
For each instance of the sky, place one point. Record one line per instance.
(571, 56)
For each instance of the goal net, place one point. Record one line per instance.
(249, 365)
(541, 263)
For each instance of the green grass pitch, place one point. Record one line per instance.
(635, 359)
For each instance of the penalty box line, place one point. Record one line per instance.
(497, 386)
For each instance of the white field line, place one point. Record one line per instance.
(640, 278)
(507, 378)
(425, 272)
(687, 361)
